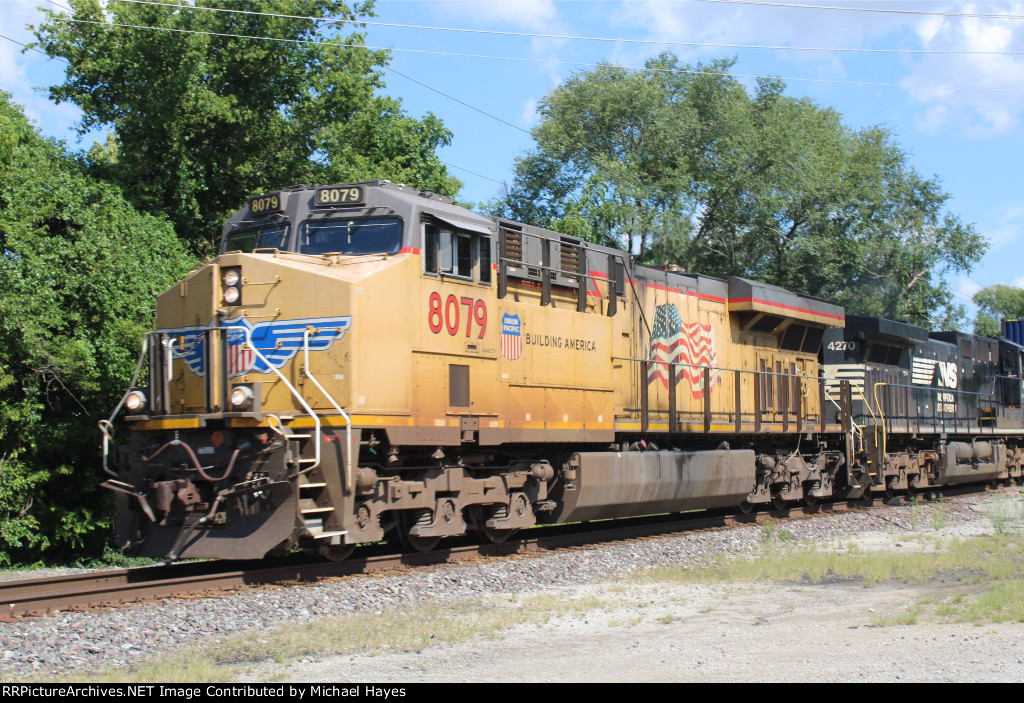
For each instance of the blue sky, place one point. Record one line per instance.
(972, 140)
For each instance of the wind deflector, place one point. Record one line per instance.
(464, 225)
(755, 297)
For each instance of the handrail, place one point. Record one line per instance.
(291, 388)
(107, 426)
(330, 399)
(856, 427)
(881, 415)
(636, 296)
(718, 368)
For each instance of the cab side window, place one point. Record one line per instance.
(456, 254)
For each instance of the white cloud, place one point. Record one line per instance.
(529, 116)
(965, 287)
(740, 24)
(536, 15)
(1009, 229)
(12, 68)
(971, 113)
(12, 61)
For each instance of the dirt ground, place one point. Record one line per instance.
(712, 633)
(736, 632)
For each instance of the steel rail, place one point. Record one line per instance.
(29, 597)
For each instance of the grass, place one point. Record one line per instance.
(626, 622)
(774, 533)
(410, 629)
(940, 515)
(909, 617)
(1005, 513)
(995, 556)
(990, 567)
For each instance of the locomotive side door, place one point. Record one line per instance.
(767, 386)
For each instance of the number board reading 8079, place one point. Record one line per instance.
(264, 204)
(332, 196)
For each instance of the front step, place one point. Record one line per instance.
(315, 527)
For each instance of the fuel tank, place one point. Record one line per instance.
(623, 484)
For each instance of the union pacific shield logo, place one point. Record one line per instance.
(511, 337)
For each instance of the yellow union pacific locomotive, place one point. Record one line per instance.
(367, 359)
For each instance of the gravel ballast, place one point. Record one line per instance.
(689, 633)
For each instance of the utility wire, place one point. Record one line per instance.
(479, 175)
(533, 35)
(460, 102)
(520, 58)
(399, 73)
(885, 10)
(15, 41)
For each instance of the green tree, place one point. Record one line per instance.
(680, 164)
(79, 269)
(995, 303)
(203, 117)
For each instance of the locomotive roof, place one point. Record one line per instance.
(298, 204)
(880, 329)
(747, 295)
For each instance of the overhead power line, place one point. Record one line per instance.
(882, 10)
(522, 59)
(479, 175)
(15, 41)
(460, 102)
(613, 40)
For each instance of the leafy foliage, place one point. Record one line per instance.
(204, 117)
(680, 165)
(79, 270)
(995, 303)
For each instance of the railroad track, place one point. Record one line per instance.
(115, 587)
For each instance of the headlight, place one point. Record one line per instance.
(231, 296)
(136, 400)
(231, 277)
(241, 397)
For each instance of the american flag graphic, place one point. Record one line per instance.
(240, 357)
(511, 337)
(676, 342)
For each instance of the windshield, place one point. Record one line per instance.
(248, 239)
(378, 236)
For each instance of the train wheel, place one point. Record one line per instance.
(778, 501)
(339, 552)
(407, 519)
(746, 507)
(890, 488)
(487, 534)
(810, 501)
(494, 536)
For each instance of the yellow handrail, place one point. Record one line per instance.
(881, 416)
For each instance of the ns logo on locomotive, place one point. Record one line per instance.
(367, 360)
